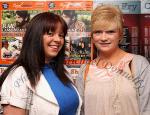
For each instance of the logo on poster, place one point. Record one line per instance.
(51, 5)
(130, 7)
(9, 28)
(5, 5)
(147, 5)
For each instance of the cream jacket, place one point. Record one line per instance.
(16, 90)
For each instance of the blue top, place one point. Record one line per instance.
(66, 95)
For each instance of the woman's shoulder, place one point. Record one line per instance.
(139, 59)
(140, 63)
(17, 74)
(18, 70)
(14, 89)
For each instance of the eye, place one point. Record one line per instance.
(97, 32)
(50, 34)
(111, 31)
(61, 35)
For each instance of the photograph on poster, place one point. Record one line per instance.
(16, 20)
(11, 47)
(79, 48)
(73, 22)
(77, 20)
(125, 42)
(3, 68)
(13, 21)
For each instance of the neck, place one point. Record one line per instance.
(48, 60)
(113, 57)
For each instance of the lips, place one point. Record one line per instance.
(54, 46)
(104, 43)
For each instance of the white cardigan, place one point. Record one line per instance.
(16, 90)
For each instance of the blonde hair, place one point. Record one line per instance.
(107, 17)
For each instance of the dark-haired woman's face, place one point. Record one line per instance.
(52, 42)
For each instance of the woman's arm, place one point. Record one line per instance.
(15, 93)
(80, 86)
(12, 110)
(142, 75)
(144, 91)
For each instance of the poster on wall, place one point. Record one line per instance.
(131, 30)
(145, 28)
(15, 16)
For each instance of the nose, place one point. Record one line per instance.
(16, 19)
(104, 36)
(57, 38)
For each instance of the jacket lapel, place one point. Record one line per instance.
(43, 90)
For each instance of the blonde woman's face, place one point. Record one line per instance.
(106, 40)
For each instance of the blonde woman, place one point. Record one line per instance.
(115, 82)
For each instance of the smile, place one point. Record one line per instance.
(104, 43)
(54, 46)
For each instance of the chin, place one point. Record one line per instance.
(106, 51)
(53, 55)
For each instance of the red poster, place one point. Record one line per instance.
(145, 34)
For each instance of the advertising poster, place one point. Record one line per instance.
(14, 19)
(15, 16)
(131, 33)
(145, 28)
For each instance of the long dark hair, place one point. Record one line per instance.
(32, 53)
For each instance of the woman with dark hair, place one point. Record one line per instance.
(37, 82)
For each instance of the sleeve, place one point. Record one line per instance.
(80, 85)
(144, 91)
(14, 90)
(80, 81)
(143, 83)
(68, 74)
